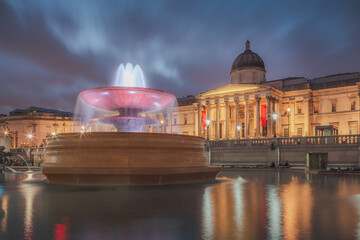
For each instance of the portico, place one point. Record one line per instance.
(234, 111)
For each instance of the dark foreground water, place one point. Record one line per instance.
(241, 205)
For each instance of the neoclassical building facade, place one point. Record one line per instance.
(251, 107)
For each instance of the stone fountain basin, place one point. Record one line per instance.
(115, 98)
(126, 158)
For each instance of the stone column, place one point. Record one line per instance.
(292, 116)
(208, 116)
(217, 119)
(274, 122)
(199, 120)
(171, 123)
(246, 116)
(279, 117)
(257, 117)
(226, 118)
(358, 127)
(306, 116)
(236, 116)
(268, 117)
(164, 123)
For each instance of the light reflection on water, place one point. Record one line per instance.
(241, 205)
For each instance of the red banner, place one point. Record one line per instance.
(203, 119)
(263, 115)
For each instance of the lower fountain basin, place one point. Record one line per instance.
(126, 158)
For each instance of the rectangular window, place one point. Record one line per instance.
(316, 107)
(230, 112)
(220, 130)
(353, 105)
(185, 119)
(174, 120)
(242, 130)
(299, 109)
(286, 132)
(333, 107)
(299, 131)
(352, 128)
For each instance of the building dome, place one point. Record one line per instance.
(248, 68)
(248, 59)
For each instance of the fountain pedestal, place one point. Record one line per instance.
(126, 158)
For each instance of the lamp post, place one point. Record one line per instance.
(274, 117)
(238, 129)
(162, 126)
(207, 128)
(30, 136)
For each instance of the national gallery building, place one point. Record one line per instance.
(249, 107)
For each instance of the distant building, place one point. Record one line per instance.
(39, 122)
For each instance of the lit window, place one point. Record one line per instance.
(353, 128)
(286, 132)
(299, 131)
(299, 109)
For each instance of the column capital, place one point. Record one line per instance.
(236, 99)
(226, 100)
(257, 98)
(269, 97)
(207, 101)
(217, 101)
(291, 98)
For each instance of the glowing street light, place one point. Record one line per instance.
(238, 127)
(207, 126)
(6, 133)
(274, 117)
(53, 134)
(288, 116)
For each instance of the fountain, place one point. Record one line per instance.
(131, 155)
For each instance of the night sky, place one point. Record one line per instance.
(52, 50)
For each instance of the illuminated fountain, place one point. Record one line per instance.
(130, 155)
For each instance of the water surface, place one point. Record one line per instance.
(240, 205)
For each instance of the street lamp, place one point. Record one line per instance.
(274, 117)
(30, 136)
(238, 129)
(207, 128)
(162, 126)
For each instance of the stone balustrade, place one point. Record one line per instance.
(342, 150)
(287, 141)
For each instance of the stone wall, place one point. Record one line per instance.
(343, 151)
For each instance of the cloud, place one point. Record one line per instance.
(186, 47)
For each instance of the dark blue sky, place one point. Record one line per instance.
(52, 50)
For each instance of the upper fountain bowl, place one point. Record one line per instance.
(115, 98)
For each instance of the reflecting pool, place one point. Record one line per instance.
(239, 205)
